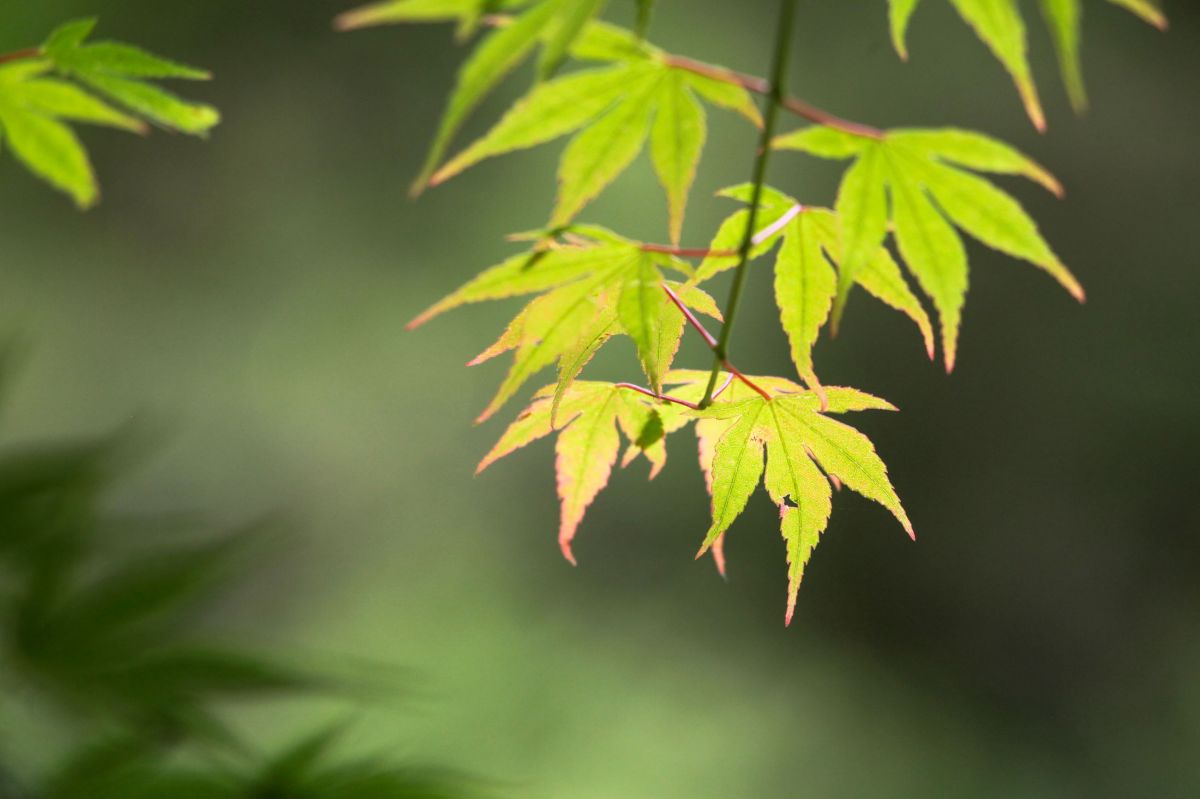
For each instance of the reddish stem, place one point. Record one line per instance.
(691, 317)
(688, 252)
(663, 397)
(760, 86)
(712, 344)
(18, 55)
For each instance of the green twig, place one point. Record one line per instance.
(783, 38)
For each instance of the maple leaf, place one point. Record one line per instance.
(99, 83)
(805, 276)
(119, 72)
(616, 109)
(589, 292)
(931, 194)
(591, 419)
(999, 24)
(559, 27)
(797, 437)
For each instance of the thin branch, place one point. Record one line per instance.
(20, 55)
(700, 252)
(709, 339)
(753, 83)
(725, 385)
(688, 252)
(783, 40)
(713, 344)
(654, 395)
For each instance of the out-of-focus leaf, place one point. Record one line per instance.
(119, 72)
(899, 14)
(1000, 26)
(1064, 19)
(572, 16)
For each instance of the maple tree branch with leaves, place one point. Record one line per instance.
(907, 200)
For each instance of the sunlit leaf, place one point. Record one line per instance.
(863, 215)
(899, 14)
(500, 52)
(587, 447)
(676, 139)
(795, 436)
(930, 195)
(552, 109)
(805, 285)
(119, 73)
(573, 15)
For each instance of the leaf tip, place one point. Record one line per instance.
(350, 20)
(564, 544)
(718, 553)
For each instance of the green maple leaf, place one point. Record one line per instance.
(98, 83)
(34, 111)
(999, 24)
(615, 109)
(922, 171)
(588, 292)
(120, 73)
(806, 269)
(802, 445)
(590, 420)
(559, 27)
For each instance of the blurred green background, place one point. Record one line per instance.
(247, 296)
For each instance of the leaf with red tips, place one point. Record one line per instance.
(592, 418)
(585, 453)
(924, 174)
(1146, 9)
(966, 148)
(528, 273)
(899, 14)
(796, 436)
(998, 23)
(935, 255)
(805, 285)
(802, 285)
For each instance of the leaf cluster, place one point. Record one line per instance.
(905, 200)
(69, 79)
(100, 629)
(1001, 26)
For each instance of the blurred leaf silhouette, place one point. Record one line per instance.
(304, 770)
(104, 636)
